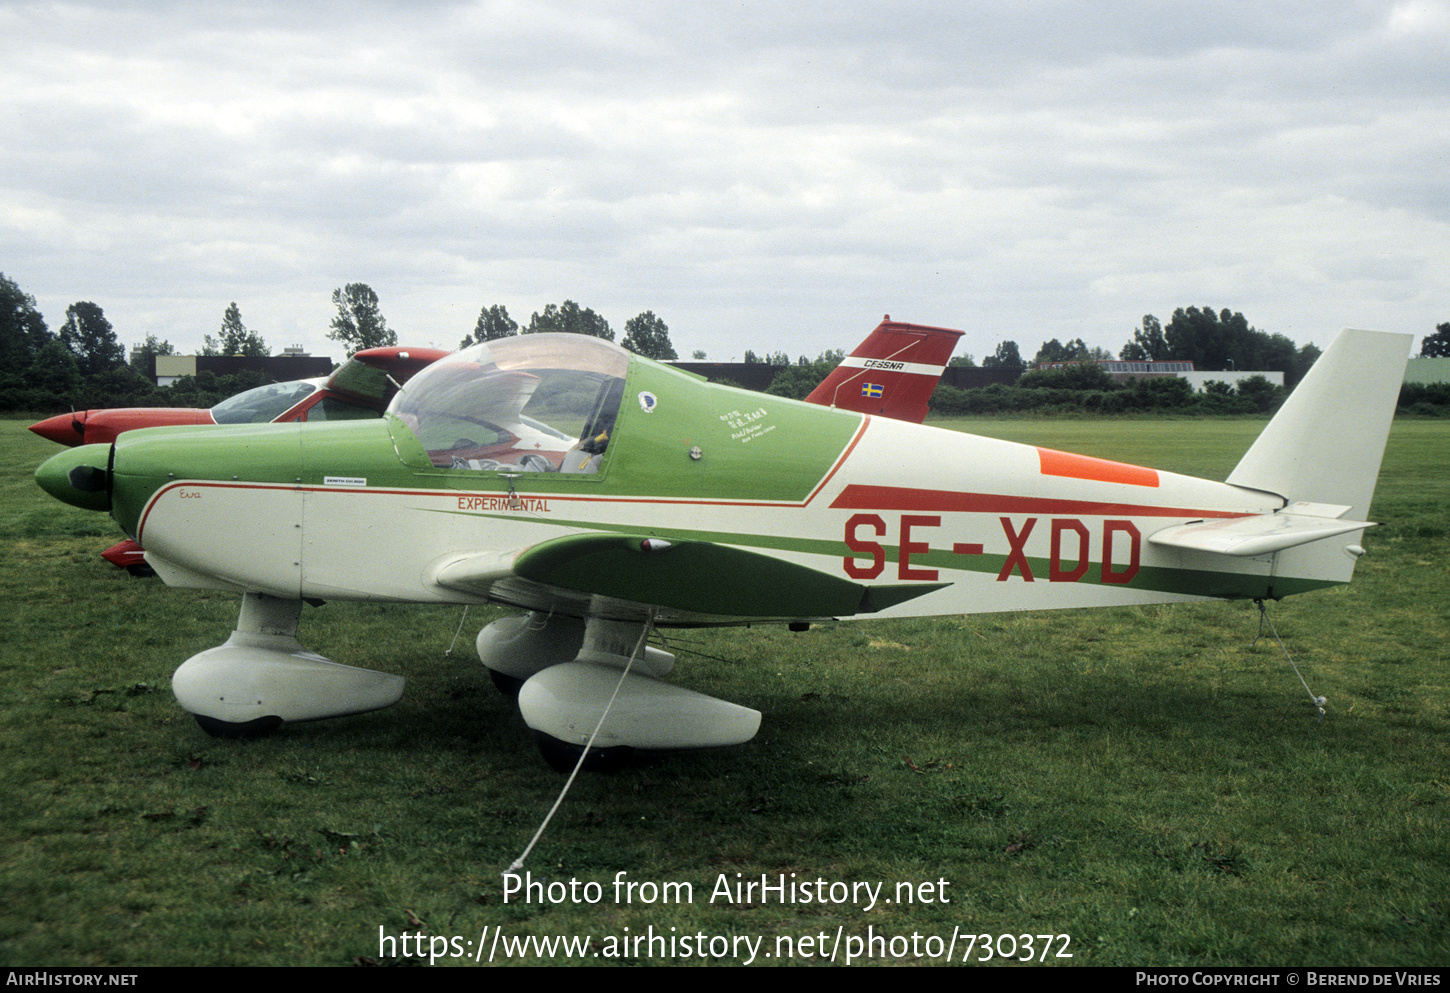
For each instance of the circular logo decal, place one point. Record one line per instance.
(647, 401)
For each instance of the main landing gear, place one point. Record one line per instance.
(568, 673)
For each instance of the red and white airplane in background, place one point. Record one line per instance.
(360, 388)
(892, 373)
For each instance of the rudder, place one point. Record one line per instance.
(1326, 442)
(1322, 451)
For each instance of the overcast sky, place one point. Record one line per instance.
(761, 175)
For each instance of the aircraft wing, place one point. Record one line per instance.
(688, 579)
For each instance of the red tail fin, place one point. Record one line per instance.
(891, 373)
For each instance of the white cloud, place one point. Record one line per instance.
(760, 175)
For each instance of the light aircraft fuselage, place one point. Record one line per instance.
(361, 511)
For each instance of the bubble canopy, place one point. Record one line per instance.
(530, 403)
(264, 403)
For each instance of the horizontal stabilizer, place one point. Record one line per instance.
(1261, 534)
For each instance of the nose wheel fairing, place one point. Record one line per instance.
(262, 676)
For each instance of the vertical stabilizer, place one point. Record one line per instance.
(1322, 452)
(891, 373)
(1325, 444)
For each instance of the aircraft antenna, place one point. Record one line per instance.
(518, 863)
(1318, 701)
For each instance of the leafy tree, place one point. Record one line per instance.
(649, 336)
(141, 354)
(1431, 399)
(1437, 345)
(570, 318)
(1006, 357)
(1160, 392)
(1148, 342)
(237, 340)
(493, 323)
(1262, 395)
(91, 339)
(1075, 376)
(962, 361)
(359, 323)
(579, 320)
(797, 381)
(752, 359)
(54, 370)
(22, 330)
(118, 386)
(1226, 341)
(698, 355)
(1075, 350)
(548, 322)
(1307, 355)
(1209, 340)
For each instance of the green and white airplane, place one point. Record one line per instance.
(603, 494)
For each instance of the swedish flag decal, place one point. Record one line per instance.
(871, 389)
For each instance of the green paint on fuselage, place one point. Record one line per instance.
(697, 441)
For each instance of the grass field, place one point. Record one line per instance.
(1141, 780)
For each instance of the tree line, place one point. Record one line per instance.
(1082, 388)
(644, 334)
(84, 365)
(360, 324)
(1212, 340)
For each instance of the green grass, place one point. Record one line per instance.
(1139, 779)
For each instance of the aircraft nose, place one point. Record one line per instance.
(79, 476)
(63, 429)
